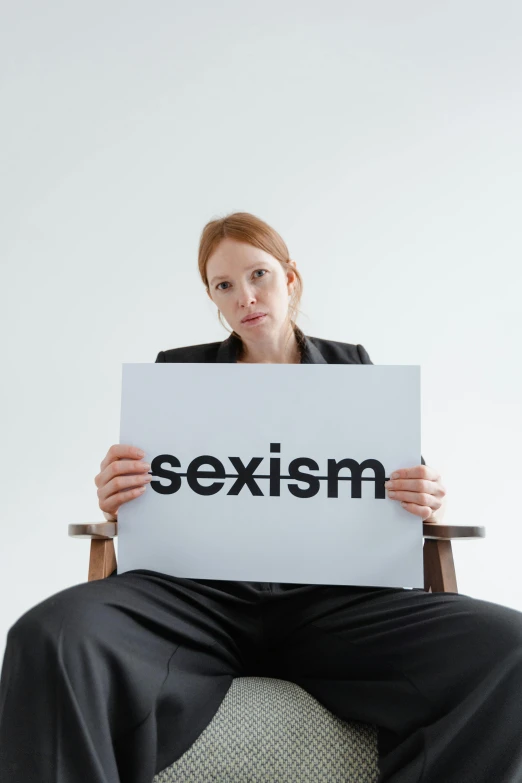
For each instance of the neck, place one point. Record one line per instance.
(284, 351)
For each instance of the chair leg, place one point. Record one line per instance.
(439, 568)
(102, 561)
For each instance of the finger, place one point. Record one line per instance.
(420, 498)
(114, 502)
(416, 485)
(419, 511)
(123, 473)
(122, 485)
(118, 467)
(121, 451)
(417, 472)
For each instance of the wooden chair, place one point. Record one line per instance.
(245, 742)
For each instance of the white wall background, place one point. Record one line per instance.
(381, 139)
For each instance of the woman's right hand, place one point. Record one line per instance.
(122, 477)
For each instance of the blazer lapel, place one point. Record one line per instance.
(229, 349)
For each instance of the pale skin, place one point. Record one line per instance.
(244, 279)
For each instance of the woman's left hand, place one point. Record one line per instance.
(418, 489)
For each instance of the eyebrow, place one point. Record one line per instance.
(224, 277)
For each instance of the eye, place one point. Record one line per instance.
(224, 289)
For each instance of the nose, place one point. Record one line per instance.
(246, 296)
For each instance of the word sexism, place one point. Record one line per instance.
(245, 475)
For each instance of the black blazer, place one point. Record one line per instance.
(315, 350)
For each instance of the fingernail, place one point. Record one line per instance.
(140, 453)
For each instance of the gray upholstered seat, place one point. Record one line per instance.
(269, 730)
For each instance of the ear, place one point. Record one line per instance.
(289, 274)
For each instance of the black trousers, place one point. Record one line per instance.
(111, 681)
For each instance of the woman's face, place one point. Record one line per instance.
(244, 279)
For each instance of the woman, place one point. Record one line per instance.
(123, 674)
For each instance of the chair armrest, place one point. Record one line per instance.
(441, 532)
(439, 569)
(433, 530)
(91, 530)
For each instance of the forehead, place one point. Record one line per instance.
(231, 255)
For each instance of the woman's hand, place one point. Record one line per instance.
(122, 477)
(419, 490)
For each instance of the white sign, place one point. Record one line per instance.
(247, 482)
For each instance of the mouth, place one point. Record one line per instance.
(254, 319)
